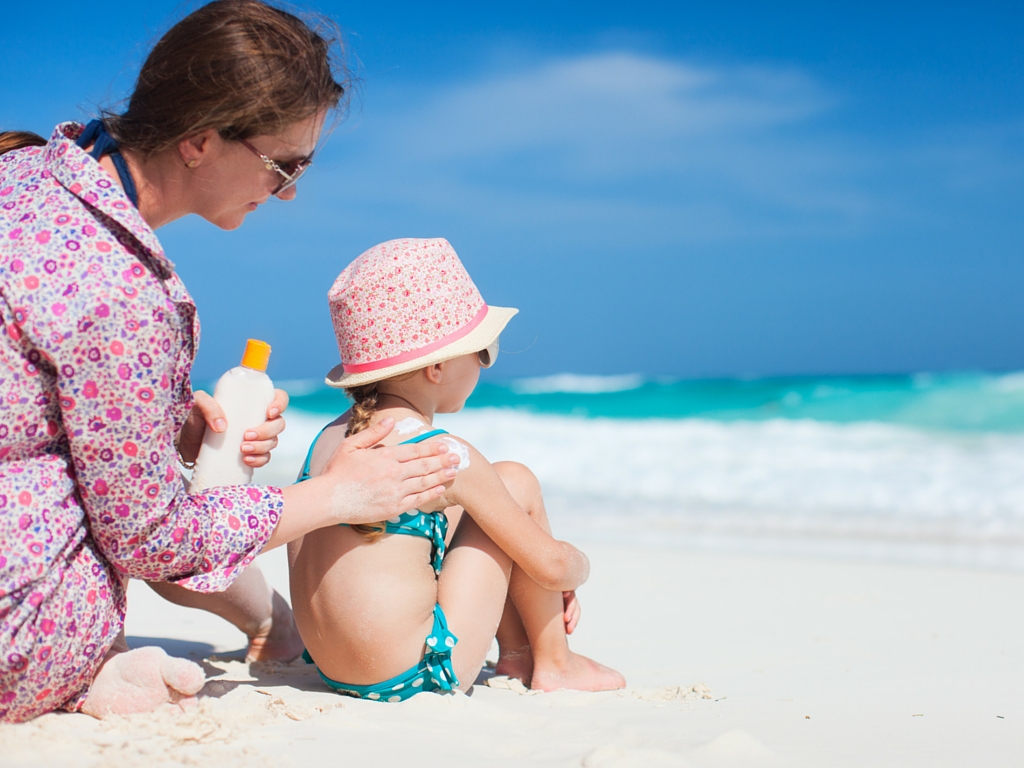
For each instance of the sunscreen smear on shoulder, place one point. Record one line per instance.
(245, 393)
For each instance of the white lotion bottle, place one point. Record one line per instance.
(245, 393)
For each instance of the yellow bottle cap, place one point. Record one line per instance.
(257, 355)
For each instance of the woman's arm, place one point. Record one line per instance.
(115, 353)
(555, 565)
(365, 486)
(114, 358)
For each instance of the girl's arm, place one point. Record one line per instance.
(554, 565)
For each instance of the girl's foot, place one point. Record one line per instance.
(277, 639)
(577, 673)
(141, 681)
(517, 664)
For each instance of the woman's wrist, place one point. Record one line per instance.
(319, 502)
(185, 461)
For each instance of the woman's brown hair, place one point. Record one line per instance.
(241, 67)
(12, 140)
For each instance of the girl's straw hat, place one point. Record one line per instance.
(404, 305)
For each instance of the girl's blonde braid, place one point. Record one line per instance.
(364, 403)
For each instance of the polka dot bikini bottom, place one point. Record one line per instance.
(433, 673)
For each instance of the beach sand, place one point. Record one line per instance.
(731, 661)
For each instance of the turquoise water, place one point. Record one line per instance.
(959, 402)
(913, 468)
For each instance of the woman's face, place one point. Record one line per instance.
(231, 181)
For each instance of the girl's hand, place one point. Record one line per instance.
(207, 414)
(572, 611)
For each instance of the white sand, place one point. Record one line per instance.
(808, 663)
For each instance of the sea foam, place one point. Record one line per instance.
(863, 489)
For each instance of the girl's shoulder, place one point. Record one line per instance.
(324, 445)
(410, 429)
(468, 455)
(407, 429)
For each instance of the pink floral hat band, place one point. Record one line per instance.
(406, 304)
(416, 354)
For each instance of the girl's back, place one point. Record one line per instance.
(388, 618)
(363, 607)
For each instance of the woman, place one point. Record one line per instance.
(97, 339)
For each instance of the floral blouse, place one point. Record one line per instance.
(97, 339)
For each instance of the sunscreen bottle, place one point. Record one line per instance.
(245, 393)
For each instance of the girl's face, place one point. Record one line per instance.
(460, 376)
(231, 181)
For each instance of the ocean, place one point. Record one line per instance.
(925, 468)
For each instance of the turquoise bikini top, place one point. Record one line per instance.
(427, 525)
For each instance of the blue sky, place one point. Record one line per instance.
(680, 189)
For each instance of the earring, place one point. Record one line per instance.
(191, 163)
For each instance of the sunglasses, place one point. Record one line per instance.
(489, 356)
(289, 172)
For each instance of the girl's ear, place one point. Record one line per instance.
(434, 373)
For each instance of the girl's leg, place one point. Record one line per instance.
(471, 591)
(541, 615)
(515, 659)
(260, 612)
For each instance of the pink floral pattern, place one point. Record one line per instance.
(399, 297)
(97, 339)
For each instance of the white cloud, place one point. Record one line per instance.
(605, 107)
(626, 145)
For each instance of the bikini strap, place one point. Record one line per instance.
(304, 475)
(103, 143)
(424, 436)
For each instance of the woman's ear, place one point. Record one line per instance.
(194, 149)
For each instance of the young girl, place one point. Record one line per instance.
(387, 616)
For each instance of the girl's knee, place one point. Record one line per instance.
(519, 479)
(525, 489)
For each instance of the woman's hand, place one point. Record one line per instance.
(381, 483)
(207, 414)
(259, 442)
(365, 483)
